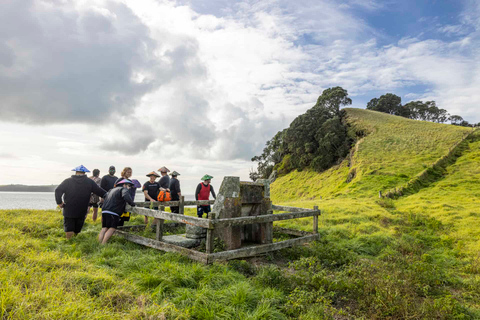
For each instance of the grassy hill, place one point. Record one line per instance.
(416, 257)
(393, 151)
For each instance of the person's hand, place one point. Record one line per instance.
(61, 205)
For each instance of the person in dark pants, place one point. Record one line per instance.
(94, 199)
(76, 192)
(175, 190)
(203, 193)
(113, 207)
(150, 190)
(109, 179)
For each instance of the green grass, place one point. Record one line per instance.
(394, 150)
(416, 257)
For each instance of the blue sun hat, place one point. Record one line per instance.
(80, 168)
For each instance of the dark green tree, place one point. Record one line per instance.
(388, 103)
(317, 139)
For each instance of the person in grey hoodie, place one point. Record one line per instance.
(73, 196)
(113, 207)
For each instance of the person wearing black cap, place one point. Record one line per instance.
(76, 192)
(175, 190)
(113, 207)
(108, 180)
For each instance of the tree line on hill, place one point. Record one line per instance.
(319, 138)
(417, 110)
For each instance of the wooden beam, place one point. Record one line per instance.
(256, 250)
(209, 240)
(192, 254)
(181, 209)
(174, 203)
(315, 221)
(289, 209)
(292, 232)
(194, 221)
(229, 222)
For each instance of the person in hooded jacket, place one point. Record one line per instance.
(113, 207)
(73, 196)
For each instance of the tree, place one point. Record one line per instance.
(455, 119)
(388, 103)
(317, 138)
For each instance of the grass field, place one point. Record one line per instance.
(416, 257)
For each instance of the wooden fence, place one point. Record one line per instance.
(211, 223)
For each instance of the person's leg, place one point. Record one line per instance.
(101, 235)
(108, 234)
(79, 225)
(145, 219)
(68, 227)
(95, 213)
(199, 212)
(104, 227)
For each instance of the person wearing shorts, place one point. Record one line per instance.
(203, 193)
(113, 207)
(73, 196)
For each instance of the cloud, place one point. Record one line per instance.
(213, 79)
(61, 62)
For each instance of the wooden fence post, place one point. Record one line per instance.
(209, 240)
(315, 221)
(159, 233)
(181, 210)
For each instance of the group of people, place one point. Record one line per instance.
(78, 194)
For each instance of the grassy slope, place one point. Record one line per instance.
(414, 258)
(394, 151)
(440, 225)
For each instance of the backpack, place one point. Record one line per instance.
(164, 196)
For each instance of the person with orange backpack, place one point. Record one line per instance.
(203, 193)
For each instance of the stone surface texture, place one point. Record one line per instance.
(181, 240)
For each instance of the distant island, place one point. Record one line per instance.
(25, 188)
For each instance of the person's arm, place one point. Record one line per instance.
(178, 187)
(213, 192)
(59, 192)
(126, 196)
(99, 191)
(145, 192)
(197, 191)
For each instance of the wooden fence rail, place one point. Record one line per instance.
(211, 223)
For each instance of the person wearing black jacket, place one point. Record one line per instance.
(108, 180)
(76, 192)
(113, 207)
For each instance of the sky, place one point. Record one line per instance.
(199, 86)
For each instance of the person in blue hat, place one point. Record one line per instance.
(73, 196)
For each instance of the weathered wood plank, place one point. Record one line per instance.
(159, 231)
(264, 218)
(289, 209)
(292, 232)
(192, 254)
(315, 221)
(174, 203)
(256, 250)
(209, 240)
(181, 209)
(194, 221)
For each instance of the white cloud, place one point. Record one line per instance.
(200, 86)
